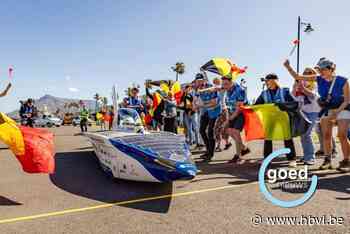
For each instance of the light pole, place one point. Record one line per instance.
(308, 29)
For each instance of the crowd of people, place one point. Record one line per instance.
(212, 116)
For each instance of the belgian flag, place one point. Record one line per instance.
(280, 121)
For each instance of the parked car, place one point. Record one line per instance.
(76, 121)
(48, 121)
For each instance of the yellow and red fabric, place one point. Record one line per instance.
(273, 122)
(224, 67)
(34, 148)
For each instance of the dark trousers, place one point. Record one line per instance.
(170, 125)
(207, 132)
(287, 143)
(83, 125)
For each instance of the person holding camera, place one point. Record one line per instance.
(334, 101)
(275, 94)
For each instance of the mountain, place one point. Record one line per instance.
(52, 104)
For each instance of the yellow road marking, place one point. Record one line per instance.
(70, 211)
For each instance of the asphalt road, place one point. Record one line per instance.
(223, 198)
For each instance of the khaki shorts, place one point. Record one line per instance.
(343, 115)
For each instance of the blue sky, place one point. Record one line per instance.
(98, 43)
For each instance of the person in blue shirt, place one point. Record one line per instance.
(235, 97)
(334, 100)
(275, 94)
(134, 101)
(210, 111)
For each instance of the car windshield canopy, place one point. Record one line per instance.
(128, 117)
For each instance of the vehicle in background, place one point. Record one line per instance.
(76, 121)
(48, 121)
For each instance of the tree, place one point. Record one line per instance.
(179, 68)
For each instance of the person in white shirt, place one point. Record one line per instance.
(305, 93)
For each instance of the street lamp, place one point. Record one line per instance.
(308, 29)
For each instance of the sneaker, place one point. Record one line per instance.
(218, 149)
(326, 165)
(245, 151)
(234, 159)
(310, 162)
(344, 166)
(319, 153)
(227, 146)
(292, 164)
(301, 160)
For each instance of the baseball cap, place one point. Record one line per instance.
(325, 63)
(271, 76)
(199, 76)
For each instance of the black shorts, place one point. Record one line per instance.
(237, 123)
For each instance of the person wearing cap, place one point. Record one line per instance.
(4, 93)
(235, 97)
(210, 111)
(275, 94)
(305, 93)
(334, 101)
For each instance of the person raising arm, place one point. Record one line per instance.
(4, 93)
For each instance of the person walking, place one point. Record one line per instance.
(305, 93)
(211, 109)
(235, 97)
(84, 116)
(275, 94)
(334, 100)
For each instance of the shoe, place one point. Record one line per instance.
(292, 164)
(310, 162)
(227, 146)
(204, 156)
(218, 149)
(245, 151)
(234, 159)
(326, 164)
(344, 166)
(319, 153)
(301, 160)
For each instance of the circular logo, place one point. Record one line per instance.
(268, 195)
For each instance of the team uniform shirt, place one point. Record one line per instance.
(234, 95)
(132, 101)
(206, 98)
